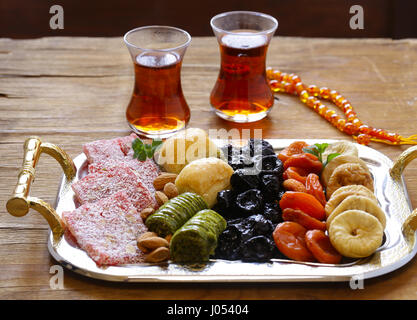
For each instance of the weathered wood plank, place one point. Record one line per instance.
(72, 90)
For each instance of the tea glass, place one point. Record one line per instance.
(241, 92)
(157, 108)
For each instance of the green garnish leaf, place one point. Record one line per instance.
(141, 151)
(321, 147)
(311, 150)
(330, 157)
(155, 145)
(317, 149)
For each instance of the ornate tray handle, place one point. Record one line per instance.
(20, 203)
(410, 224)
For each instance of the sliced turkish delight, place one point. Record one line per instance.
(107, 229)
(103, 150)
(108, 181)
(147, 170)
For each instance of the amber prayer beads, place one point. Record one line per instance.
(351, 125)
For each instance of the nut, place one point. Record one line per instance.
(170, 190)
(160, 197)
(161, 180)
(142, 237)
(147, 235)
(158, 255)
(145, 213)
(153, 243)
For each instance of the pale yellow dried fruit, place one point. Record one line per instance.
(355, 202)
(356, 234)
(342, 148)
(343, 192)
(206, 177)
(339, 160)
(349, 174)
(184, 147)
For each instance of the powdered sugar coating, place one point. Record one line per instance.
(126, 143)
(104, 154)
(106, 182)
(103, 150)
(107, 229)
(147, 170)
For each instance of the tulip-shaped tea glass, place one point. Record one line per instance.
(242, 93)
(157, 107)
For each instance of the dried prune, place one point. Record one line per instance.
(246, 151)
(276, 254)
(229, 243)
(280, 194)
(235, 222)
(261, 225)
(226, 201)
(227, 151)
(247, 161)
(235, 162)
(250, 202)
(269, 162)
(275, 216)
(241, 181)
(273, 205)
(270, 186)
(272, 165)
(258, 248)
(260, 147)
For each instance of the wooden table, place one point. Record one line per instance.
(70, 91)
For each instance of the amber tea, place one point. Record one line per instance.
(157, 108)
(158, 103)
(241, 92)
(242, 88)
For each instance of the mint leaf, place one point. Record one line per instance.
(330, 157)
(321, 147)
(317, 149)
(137, 146)
(155, 145)
(142, 155)
(141, 151)
(312, 150)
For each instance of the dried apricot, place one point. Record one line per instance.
(304, 202)
(306, 161)
(314, 187)
(294, 148)
(294, 185)
(303, 218)
(320, 246)
(290, 240)
(298, 174)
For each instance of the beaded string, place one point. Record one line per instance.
(351, 125)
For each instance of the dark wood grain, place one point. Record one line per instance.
(317, 18)
(72, 90)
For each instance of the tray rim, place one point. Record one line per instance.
(238, 278)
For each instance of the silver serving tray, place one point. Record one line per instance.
(398, 247)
